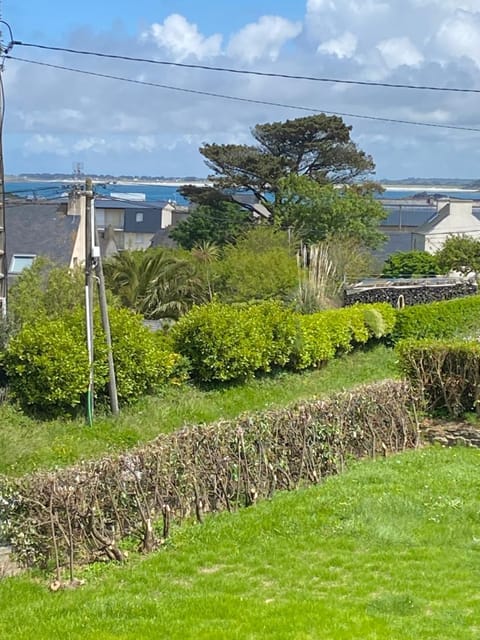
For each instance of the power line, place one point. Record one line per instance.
(246, 100)
(263, 74)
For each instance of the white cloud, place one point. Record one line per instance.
(263, 38)
(183, 39)
(144, 143)
(343, 47)
(399, 51)
(97, 145)
(356, 7)
(449, 5)
(46, 144)
(459, 35)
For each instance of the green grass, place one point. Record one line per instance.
(388, 551)
(26, 444)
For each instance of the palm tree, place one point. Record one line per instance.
(155, 283)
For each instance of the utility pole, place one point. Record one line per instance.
(3, 236)
(88, 229)
(102, 298)
(94, 268)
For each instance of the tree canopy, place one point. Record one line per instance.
(317, 146)
(408, 264)
(219, 224)
(460, 253)
(316, 211)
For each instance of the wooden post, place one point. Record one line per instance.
(89, 295)
(102, 297)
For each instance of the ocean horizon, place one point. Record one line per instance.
(155, 192)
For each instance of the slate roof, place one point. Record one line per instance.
(396, 241)
(119, 203)
(41, 229)
(412, 214)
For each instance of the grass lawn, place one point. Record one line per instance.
(388, 551)
(26, 444)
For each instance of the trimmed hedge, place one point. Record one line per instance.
(440, 320)
(446, 375)
(227, 342)
(83, 512)
(47, 370)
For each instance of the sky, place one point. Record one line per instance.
(55, 118)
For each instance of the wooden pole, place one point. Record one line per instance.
(102, 297)
(89, 295)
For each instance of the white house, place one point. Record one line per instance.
(451, 219)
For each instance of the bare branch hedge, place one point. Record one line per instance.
(82, 513)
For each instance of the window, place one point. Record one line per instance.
(139, 216)
(19, 262)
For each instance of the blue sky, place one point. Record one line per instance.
(55, 118)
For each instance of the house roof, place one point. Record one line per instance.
(408, 213)
(118, 203)
(396, 241)
(40, 229)
(444, 212)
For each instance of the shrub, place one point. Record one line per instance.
(143, 363)
(407, 264)
(325, 334)
(226, 342)
(47, 368)
(447, 375)
(448, 319)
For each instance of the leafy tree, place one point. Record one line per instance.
(261, 266)
(316, 146)
(460, 253)
(219, 224)
(408, 264)
(46, 290)
(315, 211)
(155, 283)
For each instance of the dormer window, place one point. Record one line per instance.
(21, 261)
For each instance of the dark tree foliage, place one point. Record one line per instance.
(318, 147)
(220, 224)
(410, 264)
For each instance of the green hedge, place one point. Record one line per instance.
(46, 363)
(446, 374)
(225, 342)
(459, 318)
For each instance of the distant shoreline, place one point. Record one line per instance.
(434, 189)
(124, 183)
(417, 188)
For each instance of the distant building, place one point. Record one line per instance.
(409, 219)
(38, 229)
(452, 219)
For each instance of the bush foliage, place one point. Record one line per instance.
(225, 342)
(408, 264)
(440, 320)
(47, 368)
(446, 374)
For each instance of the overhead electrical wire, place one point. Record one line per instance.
(223, 96)
(263, 74)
